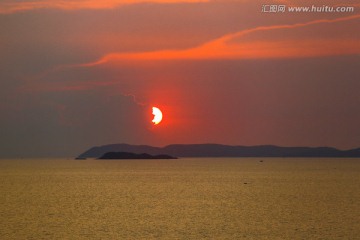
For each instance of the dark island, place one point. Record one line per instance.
(218, 150)
(128, 155)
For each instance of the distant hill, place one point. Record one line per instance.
(127, 155)
(218, 150)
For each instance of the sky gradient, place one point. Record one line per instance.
(77, 74)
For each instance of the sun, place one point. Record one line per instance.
(157, 115)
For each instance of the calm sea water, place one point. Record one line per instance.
(245, 198)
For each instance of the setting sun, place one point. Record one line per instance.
(157, 115)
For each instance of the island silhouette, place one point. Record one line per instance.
(128, 155)
(218, 150)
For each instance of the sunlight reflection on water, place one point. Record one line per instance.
(180, 199)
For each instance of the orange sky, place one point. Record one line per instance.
(9, 6)
(82, 73)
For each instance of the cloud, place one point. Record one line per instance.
(231, 47)
(10, 6)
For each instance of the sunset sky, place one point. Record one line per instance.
(81, 73)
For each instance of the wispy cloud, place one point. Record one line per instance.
(10, 6)
(231, 47)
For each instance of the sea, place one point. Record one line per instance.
(187, 198)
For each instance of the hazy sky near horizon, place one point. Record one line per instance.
(76, 74)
